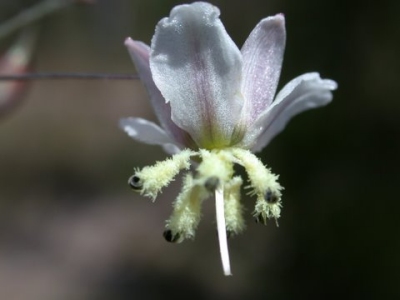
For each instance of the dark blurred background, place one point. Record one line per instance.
(70, 228)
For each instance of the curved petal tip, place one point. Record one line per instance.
(305, 92)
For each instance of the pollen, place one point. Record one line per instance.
(154, 178)
(212, 170)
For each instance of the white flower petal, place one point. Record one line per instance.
(197, 68)
(262, 63)
(302, 93)
(147, 132)
(140, 54)
(171, 148)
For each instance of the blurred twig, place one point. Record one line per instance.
(35, 76)
(32, 14)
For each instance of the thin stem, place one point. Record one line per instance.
(45, 76)
(223, 242)
(32, 14)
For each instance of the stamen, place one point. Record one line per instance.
(233, 208)
(154, 178)
(223, 242)
(187, 209)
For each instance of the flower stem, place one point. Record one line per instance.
(223, 242)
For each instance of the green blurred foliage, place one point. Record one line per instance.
(67, 215)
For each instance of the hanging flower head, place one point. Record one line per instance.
(215, 104)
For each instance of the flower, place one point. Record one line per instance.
(215, 106)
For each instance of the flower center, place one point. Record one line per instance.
(214, 171)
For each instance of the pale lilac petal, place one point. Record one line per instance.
(197, 68)
(302, 93)
(262, 63)
(149, 133)
(140, 54)
(171, 148)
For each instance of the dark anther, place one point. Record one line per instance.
(270, 197)
(135, 183)
(259, 219)
(169, 237)
(211, 183)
